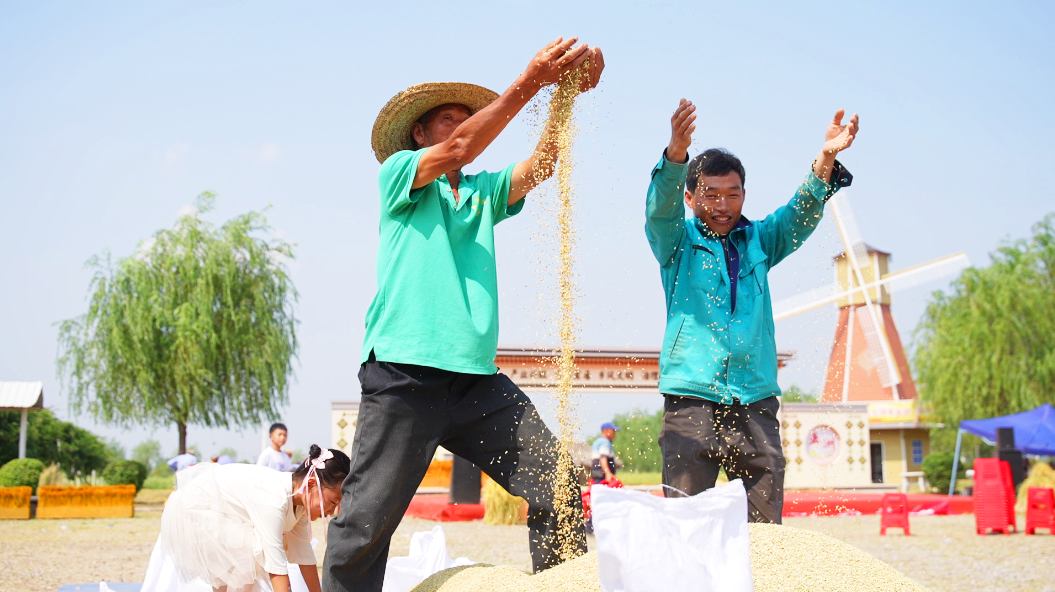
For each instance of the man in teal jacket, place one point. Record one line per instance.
(718, 367)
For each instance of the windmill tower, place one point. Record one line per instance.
(854, 373)
(867, 361)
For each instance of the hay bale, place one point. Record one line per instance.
(783, 559)
(501, 507)
(1040, 475)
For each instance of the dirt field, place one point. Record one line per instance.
(943, 552)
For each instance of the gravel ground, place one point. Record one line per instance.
(943, 552)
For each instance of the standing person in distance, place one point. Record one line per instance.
(602, 467)
(718, 366)
(182, 461)
(273, 456)
(428, 374)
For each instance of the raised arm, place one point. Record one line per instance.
(664, 207)
(529, 173)
(477, 132)
(784, 231)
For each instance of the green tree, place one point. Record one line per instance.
(148, 453)
(987, 348)
(114, 451)
(637, 442)
(937, 467)
(76, 450)
(196, 328)
(796, 394)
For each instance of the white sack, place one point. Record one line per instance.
(428, 555)
(647, 543)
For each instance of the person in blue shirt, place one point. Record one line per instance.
(182, 461)
(718, 366)
(603, 456)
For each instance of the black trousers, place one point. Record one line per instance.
(405, 413)
(699, 437)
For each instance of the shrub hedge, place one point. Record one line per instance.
(125, 472)
(21, 472)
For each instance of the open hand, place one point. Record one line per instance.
(555, 60)
(839, 137)
(593, 75)
(682, 124)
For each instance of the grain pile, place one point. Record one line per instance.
(561, 130)
(578, 575)
(783, 559)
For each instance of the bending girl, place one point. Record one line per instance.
(237, 527)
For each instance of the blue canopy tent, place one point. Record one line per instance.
(1034, 432)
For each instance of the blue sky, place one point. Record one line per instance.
(114, 117)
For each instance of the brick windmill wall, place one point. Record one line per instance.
(853, 374)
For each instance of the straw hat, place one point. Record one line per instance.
(393, 126)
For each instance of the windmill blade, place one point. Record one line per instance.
(888, 374)
(926, 272)
(805, 301)
(853, 241)
(857, 254)
(899, 280)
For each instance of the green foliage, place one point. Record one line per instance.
(148, 453)
(160, 482)
(21, 472)
(125, 472)
(795, 394)
(113, 450)
(162, 469)
(196, 327)
(637, 442)
(937, 468)
(988, 347)
(76, 450)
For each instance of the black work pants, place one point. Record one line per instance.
(405, 413)
(699, 437)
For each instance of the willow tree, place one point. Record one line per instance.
(196, 327)
(988, 347)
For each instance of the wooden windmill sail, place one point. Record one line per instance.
(867, 361)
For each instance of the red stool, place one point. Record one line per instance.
(587, 501)
(1040, 511)
(994, 496)
(895, 513)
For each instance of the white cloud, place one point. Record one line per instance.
(187, 210)
(175, 155)
(269, 153)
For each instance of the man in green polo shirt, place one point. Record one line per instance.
(428, 370)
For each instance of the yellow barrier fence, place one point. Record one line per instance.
(112, 501)
(14, 503)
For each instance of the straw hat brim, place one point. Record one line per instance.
(392, 129)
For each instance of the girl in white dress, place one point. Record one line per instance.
(236, 527)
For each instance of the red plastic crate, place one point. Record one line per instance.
(994, 496)
(894, 513)
(1040, 511)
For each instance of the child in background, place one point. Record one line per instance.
(273, 456)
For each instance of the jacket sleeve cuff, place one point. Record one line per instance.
(824, 191)
(666, 169)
